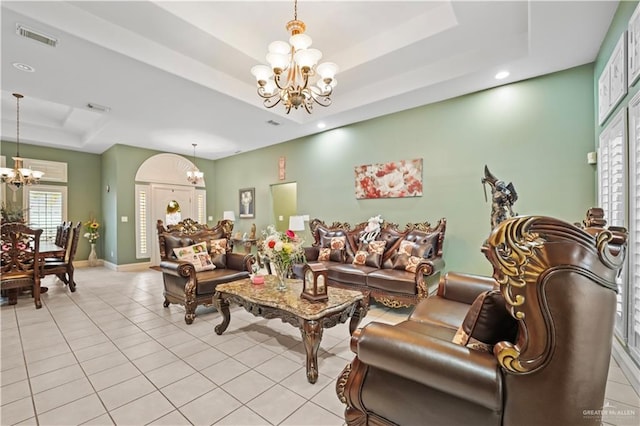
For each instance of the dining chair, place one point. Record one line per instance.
(20, 260)
(63, 268)
(59, 230)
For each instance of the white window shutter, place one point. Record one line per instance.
(142, 221)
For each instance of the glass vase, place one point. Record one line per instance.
(281, 274)
(93, 257)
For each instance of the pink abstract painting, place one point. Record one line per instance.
(396, 179)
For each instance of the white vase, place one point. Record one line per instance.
(93, 257)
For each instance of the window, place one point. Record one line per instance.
(46, 208)
(201, 205)
(142, 221)
(632, 334)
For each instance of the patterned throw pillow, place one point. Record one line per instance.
(406, 247)
(219, 252)
(197, 255)
(487, 323)
(325, 254)
(370, 254)
(218, 246)
(336, 249)
(412, 263)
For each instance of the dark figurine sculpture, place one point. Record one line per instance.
(502, 198)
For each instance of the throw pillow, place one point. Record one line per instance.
(196, 255)
(219, 252)
(337, 246)
(405, 262)
(412, 263)
(369, 254)
(325, 254)
(487, 322)
(360, 258)
(406, 247)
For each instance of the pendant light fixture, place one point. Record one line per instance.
(194, 176)
(19, 175)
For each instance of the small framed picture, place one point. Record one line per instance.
(247, 200)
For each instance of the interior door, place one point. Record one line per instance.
(170, 204)
(285, 203)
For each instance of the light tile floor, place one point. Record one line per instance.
(110, 353)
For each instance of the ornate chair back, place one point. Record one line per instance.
(63, 268)
(20, 260)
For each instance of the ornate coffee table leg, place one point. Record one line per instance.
(359, 311)
(311, 336)
(222, 305)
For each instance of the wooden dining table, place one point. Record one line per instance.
(50, 249)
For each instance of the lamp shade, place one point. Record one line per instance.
(296, 223)
(229, 215)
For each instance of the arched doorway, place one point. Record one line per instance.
(163, 192)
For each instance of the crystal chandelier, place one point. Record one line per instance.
(194, 175)
(19, 175)
(293, 77)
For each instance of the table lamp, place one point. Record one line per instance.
(229, 215)
(296, 223)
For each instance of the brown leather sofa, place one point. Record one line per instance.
(536, 352)
(387, 280)
(182, 284)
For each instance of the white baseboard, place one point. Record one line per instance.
(132, 267)
(627, 365)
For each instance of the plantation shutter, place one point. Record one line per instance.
(612, 195)
(633, 255)
(142, 221)
(46, 209)
(201, 205)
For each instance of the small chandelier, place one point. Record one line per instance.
(194, 175)
(19, 175)
(293, 69)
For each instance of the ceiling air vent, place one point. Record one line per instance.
(273, 123)
(38, 36)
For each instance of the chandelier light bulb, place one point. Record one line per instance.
(261, 73)
(327, 70)
(300, 41)
(281, 47)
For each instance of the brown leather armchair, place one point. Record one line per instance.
(182, 283)
(535, 352)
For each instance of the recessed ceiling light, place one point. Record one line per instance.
(23, 67)
(321, 125)
(502, 75)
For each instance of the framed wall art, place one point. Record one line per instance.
(395, 179)
(247, 203)
(612, 84)
(633, 47)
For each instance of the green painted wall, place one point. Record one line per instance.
(534, 133)
(121, 163)
(83, 188)
(88, 177)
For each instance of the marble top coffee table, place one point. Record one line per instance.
(311, 318)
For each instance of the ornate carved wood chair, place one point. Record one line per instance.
(554, 282)
(20, 260)
(182, 283)
(63, 268)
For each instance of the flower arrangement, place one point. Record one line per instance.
(283, 249)
(92, 234)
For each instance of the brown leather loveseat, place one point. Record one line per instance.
(405, 269)
(530, 346)
(185, 285)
